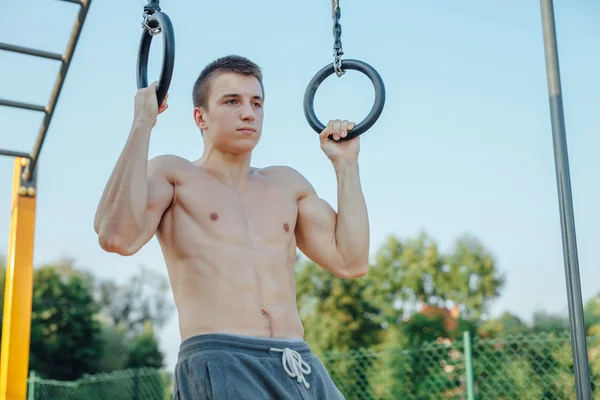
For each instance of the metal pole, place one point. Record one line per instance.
(11, 153)
(22, 106)
(30, 52)
(469, 365)
(18, 289)
(567, 219)
(31, 388)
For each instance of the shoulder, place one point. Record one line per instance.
(289, 177)
(167, 165)
(167, 160)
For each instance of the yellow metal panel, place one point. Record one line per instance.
(16, 327)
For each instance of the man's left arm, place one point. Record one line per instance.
(339, 242)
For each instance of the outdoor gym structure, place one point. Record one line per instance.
(16, 325)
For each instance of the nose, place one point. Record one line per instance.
(247, 113)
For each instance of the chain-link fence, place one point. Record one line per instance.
(434, 371)
(516, 367)
(524, 367)
(134, 384)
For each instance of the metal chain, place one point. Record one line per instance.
(152, 7)
(151, 31)
(337, 39)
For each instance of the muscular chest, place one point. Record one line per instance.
(261, 212)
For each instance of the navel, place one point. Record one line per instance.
(286, 227)
(269, 320)
(214, 216)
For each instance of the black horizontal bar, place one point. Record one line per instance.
(31, 52)
(24, 106)
(72, 1)
(11, 153)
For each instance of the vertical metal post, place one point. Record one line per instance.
(567, 219)
(469, 366)
(16, 326)
(31, 388)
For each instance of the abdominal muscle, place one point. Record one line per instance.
(234, 288)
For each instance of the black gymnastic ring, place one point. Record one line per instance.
(157, 20)
(360, 128)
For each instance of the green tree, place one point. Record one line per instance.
(506, 324)
(74, 332)
(413, 275)
(397, 278)
(131, 311)
(115, 349)
(336, 314)
(591, 311)
(469, 278)
(546, 322)
(407, 275)
(143, 298)
(144, 350)
(65, 335)
(337, 318)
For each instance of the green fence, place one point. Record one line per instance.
(516, 367)
(136, 384)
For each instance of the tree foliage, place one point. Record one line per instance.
(65, 335)
(336, 314)
(132, 304)
(72, 333)
(407, 275)
(414, 293)
(144, 350)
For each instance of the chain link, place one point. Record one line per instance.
(151, 8)
(535, 366)
(151, 31)
(337, 39)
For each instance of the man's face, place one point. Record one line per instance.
(234, 119)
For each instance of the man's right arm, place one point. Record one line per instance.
(138, 192)
(136, 196)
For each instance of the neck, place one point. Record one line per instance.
(232, 168)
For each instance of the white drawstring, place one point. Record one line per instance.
(294, 365)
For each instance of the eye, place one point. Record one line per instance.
(258, 105)
(232, 101)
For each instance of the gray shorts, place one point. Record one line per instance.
(223, 367)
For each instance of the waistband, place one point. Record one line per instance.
(233, 343)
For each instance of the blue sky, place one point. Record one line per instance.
(464, 144)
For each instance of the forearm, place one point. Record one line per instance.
(122, 207)
(352, 224)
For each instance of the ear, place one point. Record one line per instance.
(200, 118)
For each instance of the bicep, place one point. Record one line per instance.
(315, 232)
(160, 196)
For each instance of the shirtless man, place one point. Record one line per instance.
(229, 232)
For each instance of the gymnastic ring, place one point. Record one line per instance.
(158, 22)
(360, 128)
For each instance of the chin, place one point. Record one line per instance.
(242, 146)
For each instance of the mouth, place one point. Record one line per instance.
(247, 130)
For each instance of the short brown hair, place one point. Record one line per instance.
(231, 63)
